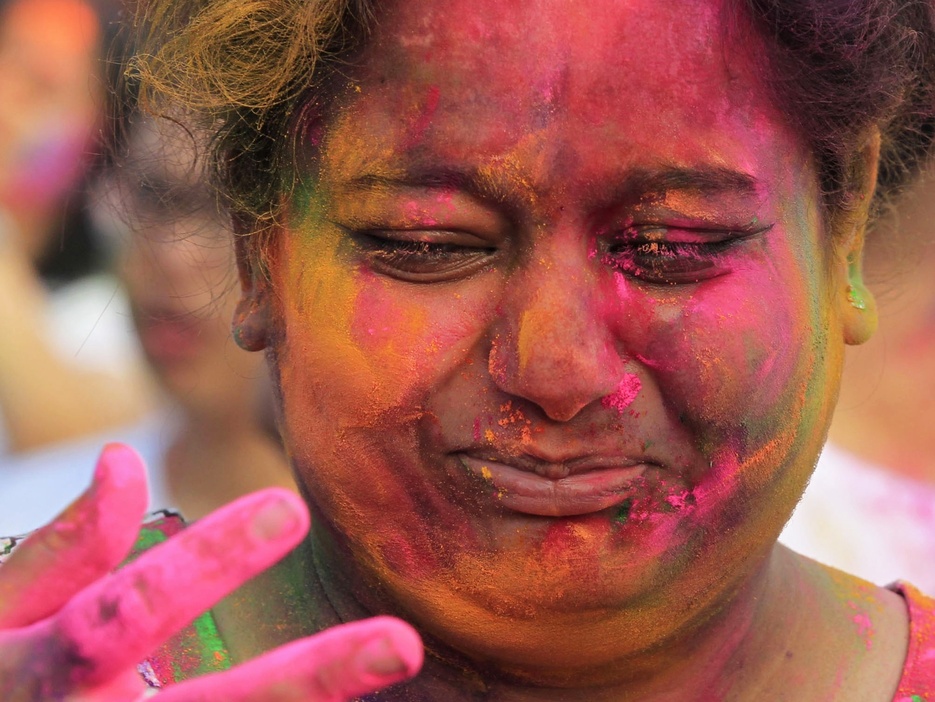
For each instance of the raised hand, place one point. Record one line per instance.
(70, 628)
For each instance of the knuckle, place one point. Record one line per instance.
(37, 665)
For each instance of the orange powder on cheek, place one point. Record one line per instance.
(397, 337)
(317, 305)
(342, 329)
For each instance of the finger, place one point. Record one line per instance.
(84, 543)
(339, 664)
(117, 621)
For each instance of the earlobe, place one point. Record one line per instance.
(859, 307)
(251, 322)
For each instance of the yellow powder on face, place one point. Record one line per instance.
(511, 416)
(533, 328)
(485, 471)
(489, 435)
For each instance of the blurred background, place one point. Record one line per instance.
(68, 362)
(117, 284)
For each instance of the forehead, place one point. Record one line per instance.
(163, 149)
(561, 82)
(556, 44)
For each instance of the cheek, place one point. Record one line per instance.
(363, 350)
(408, 334)
(730, 354)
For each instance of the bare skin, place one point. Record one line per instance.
(46, 398)
(177, 266)
(512, 243)
(49, 109)
(37, 602)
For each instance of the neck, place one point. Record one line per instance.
(212, 462)
(212, 424)
(742, 649)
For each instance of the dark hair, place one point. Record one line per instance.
(838, 69)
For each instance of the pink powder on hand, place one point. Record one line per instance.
(625, 393)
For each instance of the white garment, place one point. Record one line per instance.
(35, 486)
(865, 520)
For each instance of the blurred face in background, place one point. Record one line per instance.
(177, 263)
(49, 104)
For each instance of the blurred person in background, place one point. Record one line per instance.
(870, 506)
(208, 444)
(69, 365)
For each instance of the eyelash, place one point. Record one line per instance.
(419, 261)
(653, 261)
(671, 262)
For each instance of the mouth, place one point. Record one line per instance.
(168, 338)
(544, 489)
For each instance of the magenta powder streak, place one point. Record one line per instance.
(623, 396)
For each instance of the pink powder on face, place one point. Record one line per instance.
(424, 119)
(623, 396)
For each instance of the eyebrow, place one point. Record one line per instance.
(704, 180)
(635, 185)
(470, 181)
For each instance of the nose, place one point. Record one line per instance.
(157, 254)
(552, 345)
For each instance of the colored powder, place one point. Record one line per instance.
(864, 628)
(421, 124)
(625, 393)
(623, 512)
(196, 650)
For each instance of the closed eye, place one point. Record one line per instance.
(659, 260)
(421, 257)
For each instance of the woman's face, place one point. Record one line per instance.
(177, 265)
(49, 107)
(558, 326)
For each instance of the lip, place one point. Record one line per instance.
(168, 340)
(550, 490)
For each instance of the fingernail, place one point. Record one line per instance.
(114, 465)
(380, 658)
(275, 519)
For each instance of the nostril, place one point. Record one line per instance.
(562, 379)
(561, 410)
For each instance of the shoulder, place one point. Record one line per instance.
(918, 678)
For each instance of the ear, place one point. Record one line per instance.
(254, 313)
(855, 301)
